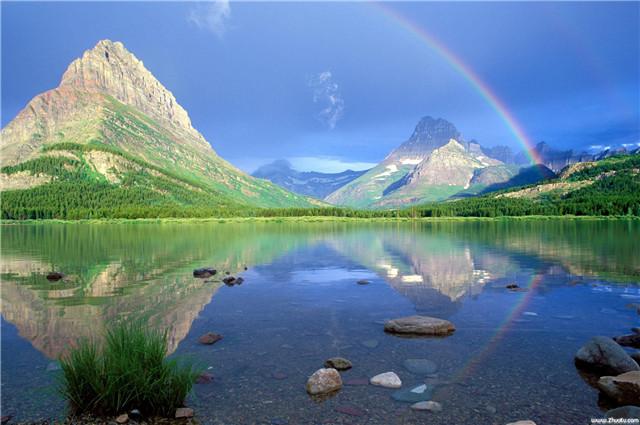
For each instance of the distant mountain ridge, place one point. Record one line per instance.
(112, 122)
(434, 164)
(309, 183)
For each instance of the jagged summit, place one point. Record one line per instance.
(116, 116)
(429, 135)
(110, 68)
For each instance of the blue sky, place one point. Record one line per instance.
(336, 85)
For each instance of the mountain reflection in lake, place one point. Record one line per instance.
(510, 359)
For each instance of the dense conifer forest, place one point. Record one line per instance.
(76, 191)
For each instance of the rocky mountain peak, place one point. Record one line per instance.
(429, 134)
(110, 68)
(429, 128)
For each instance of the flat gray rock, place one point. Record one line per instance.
(420, 366)
(419, 326)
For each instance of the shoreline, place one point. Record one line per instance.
(311, 219)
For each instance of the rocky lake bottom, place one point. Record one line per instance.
(510, 359)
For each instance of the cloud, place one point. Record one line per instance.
(327, 164)
(211, 15)
(326, 93)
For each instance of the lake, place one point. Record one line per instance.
(511, 357)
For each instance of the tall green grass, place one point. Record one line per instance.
(128, 370)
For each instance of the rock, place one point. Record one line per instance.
(338, 363)
(386, 380)
(625, 388)
(55, 276)
(624, 412)
(349, 411)
(491, 409)
(53, 366)
(415, 394)
(184, 412)
(204, 272)
(324, 381)
(279, 376)
(635, 330)
(135, 413)
(417, 326)
(204, 378)
(229, 280)
(239, 281)
(6, 418)
(363, 282)
(370, 343)
(209, 338)
(636, 356)
(246, 268)
(420, 366)
(522, 423)
(604, 356)
(122, 419)
(427, 405)
(632, 340)
(512, 286)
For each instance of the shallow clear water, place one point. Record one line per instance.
(511, 357)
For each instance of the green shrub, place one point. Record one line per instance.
(128, 370)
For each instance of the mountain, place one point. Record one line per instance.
(434, 164)
(112, 122)
(608, 187)
(309, 183)
(556, 159)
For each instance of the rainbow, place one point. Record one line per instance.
(501, 330)
(465, 72)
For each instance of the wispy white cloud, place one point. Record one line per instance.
(211, 16)
(327, 164)
(326, 93)
(631, 145)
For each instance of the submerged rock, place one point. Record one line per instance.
(209, 338)
(184, 412)
(420, 366)
(349, 411)
(338, 363)
(324, 381)
(363, 282)
(432, 406)
(386, 380)
(122, 419)
(204, 272)
(416, 394)
(418, 326)
(204, 378)
(604, 356)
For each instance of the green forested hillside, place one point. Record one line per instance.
(130, 189)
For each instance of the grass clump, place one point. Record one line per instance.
(128, 370)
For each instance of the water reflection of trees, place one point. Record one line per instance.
(120, 272)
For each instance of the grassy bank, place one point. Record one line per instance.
(318, 219)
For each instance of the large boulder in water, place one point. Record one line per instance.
(625, 388)
(324, 381)
(604, 356)
(419, 326)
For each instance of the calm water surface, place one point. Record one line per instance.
(511, 357)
